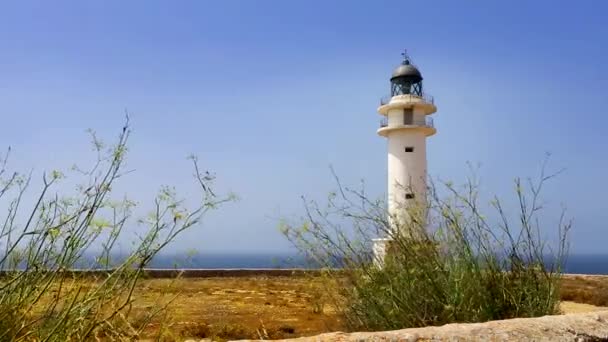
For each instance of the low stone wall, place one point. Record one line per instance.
(200, 273)
(587, 327)
(236, 272)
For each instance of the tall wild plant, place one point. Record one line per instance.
(448, 262)
(41, 298)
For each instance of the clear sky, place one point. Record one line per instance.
(268, 94)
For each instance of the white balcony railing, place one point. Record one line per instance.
(426, 122)
(425, 97)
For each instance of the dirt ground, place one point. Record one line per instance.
(285, 306)
(241, 307)
(589, 289)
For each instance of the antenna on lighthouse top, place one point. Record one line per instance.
(406, 57)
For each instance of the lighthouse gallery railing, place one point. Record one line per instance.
(426, 122)
(425, 97)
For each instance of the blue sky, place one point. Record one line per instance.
(268, 94)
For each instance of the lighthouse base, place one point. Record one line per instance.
(380, 248)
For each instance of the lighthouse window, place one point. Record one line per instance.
(408, 116)
(409, 196)
(409, 149)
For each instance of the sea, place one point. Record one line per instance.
(575, 263)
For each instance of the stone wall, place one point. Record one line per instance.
(587, 327)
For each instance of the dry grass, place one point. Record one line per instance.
(274, 307)
(238, 307)
(585, 289)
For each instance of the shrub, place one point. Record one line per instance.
(446, 262)
(41, 297)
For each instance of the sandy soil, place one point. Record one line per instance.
(573, 307)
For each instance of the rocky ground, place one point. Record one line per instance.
(585, 327)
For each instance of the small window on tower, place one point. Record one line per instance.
(409, 196)
(409, 149)
(408, 116)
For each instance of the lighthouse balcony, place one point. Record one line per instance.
(408, 97)
(424, 101)
(425, 125)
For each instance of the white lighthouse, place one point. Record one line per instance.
(406, 125)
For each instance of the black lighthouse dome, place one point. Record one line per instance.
(407, 70)
(406, 79)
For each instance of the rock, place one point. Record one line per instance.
(584, 327)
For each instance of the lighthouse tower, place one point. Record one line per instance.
(406, 125)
